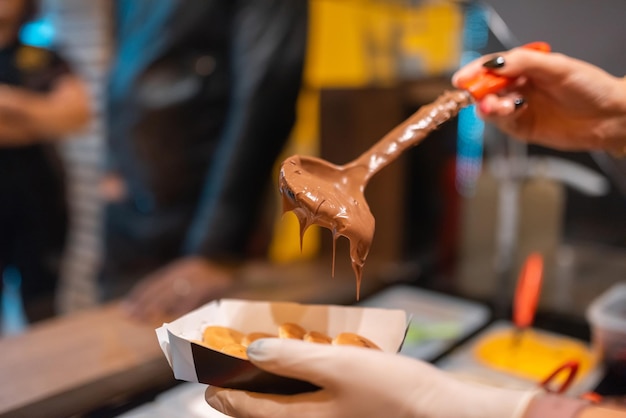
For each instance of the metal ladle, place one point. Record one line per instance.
(332, 196)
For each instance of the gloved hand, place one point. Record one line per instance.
(360, 383)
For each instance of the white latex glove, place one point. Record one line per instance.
(360, 383)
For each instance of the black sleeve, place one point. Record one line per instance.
(269, 45)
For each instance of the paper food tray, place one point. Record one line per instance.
(193, 362)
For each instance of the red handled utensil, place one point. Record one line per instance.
(486, 82)
(527, 294)
(569, 367)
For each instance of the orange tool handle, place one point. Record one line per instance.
(527, 291)
(487, 82)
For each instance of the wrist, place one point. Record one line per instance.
(549, 405)
(483, 401)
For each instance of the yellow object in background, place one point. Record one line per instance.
(356, 43)
(285, 245)
(432, 32)
(533, 355)
(336, 56)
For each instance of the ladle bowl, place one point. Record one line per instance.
(332, 196)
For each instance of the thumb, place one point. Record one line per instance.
(302, 360)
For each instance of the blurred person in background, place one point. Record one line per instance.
(201, 100)
(41, 101)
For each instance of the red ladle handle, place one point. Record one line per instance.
(487, 82)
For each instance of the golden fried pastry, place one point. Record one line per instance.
(350, 338)
(216, 336)
(253, 336)
(235, 350)
(291, 330)
(317, 337)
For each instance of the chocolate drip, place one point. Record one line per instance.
(332, 196)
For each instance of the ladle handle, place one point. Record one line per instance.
(428, 118)
(486, 82)
(411, 132)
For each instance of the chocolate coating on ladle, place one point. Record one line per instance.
(332, 196)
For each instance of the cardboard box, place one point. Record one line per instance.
(193, 362)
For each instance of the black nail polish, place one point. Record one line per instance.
(497, 62)
(518, 102)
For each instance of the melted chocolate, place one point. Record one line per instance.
(332, 196)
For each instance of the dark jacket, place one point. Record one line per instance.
(202, 99)
(33, 206)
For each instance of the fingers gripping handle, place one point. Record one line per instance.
(487, 82)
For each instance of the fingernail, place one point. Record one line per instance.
(497, 62)
(518, 102)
